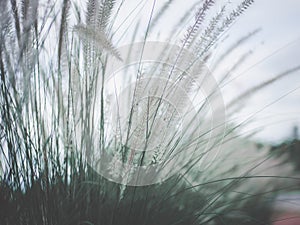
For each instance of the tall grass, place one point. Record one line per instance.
(62, 113)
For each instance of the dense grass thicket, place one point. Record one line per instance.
(62, 111)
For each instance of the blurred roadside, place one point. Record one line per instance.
(286, 206)
(286, 209)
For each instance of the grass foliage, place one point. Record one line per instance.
(54, 110)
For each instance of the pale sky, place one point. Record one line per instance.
(276, 48)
